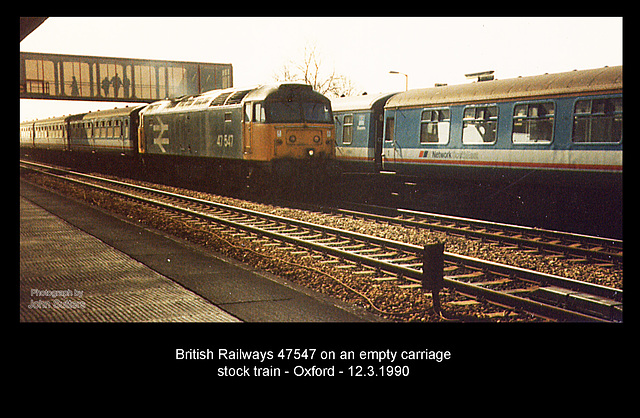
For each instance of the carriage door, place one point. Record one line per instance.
(126, 141)
(247, 127)
(389, 150)
(378, 134)
(118, 134)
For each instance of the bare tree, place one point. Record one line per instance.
(342, 86)
(310, 70)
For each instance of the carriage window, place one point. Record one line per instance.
(109, 129)
(434, 126)
(389, 129)
(479, 125)
(533, 123)
(117, 131)
(597, 121)
(347, 130)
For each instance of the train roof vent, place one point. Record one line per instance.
(481, 76)
(237, 97)
(186, 102)
(202, 100)
(219, 101)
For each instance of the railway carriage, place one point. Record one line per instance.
(359, 130)
(543, 150)
(283, 130)
(563, 130)
(45, 139)
(51, 134)
(27, 136)
(106, 132)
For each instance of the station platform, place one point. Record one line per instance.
(81, 264)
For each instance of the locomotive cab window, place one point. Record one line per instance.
(284, 112)
(533, 123)
(598, 121)
(434, 126)
(480, 125)
(317, 112)
(297, 112)
(258, 113)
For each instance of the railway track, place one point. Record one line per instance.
(381, 260)
(580, 248)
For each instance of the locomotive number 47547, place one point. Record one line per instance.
(225, 140)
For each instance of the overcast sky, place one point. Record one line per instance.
(429, 50)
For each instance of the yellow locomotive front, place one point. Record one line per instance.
(289, 128)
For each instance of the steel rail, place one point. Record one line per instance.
(516, 228)
(521, 241)
(548, 311)
(498, 268)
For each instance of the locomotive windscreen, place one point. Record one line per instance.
(317, 112)
(295, 111)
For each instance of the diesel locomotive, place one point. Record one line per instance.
(283, 131)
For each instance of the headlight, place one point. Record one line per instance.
(310, 152)
(316, 139)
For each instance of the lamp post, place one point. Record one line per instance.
(406, 76)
